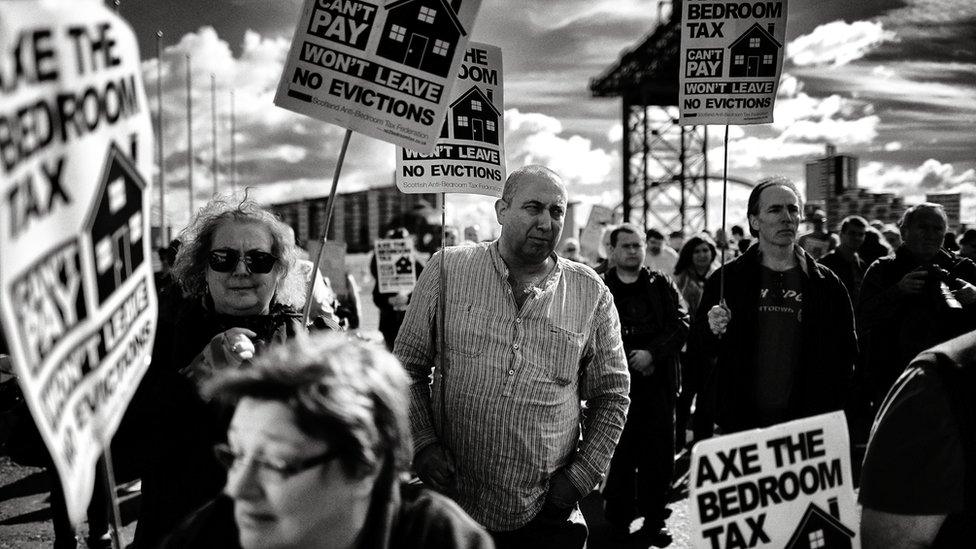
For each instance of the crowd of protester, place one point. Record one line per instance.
(257, 427)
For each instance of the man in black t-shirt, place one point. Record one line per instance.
(781, 345)
(653, 326)
(918, 484)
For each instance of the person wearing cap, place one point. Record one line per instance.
(817, 242)
(775, 294)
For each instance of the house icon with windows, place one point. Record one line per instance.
(422, 34)
(473, 117)
(403, 266)
(115, 223)
(754, 53)
(819, 529)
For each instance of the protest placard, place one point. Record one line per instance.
(600, 218)
(786, 487)
(731, 60)
(470, 153)
(395, 272)
(77, 302)
(385, 70)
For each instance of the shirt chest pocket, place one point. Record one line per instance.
(565, 349)
(466, 327)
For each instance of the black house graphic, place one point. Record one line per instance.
(115, 223)
(403, 265)
(818, 529)
(754, 53)
(473, 116)
(422, 34)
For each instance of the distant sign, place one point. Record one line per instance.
(395, 267)
(470, 153)
(787, 486)
(731, 59)
(590, 239)
(77, 302)
(385, 71)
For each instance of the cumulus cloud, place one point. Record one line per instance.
(534, 138)
(837, 43)
(931, 176)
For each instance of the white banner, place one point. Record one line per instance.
(470, 154)
(382, 69)
(731, 60)
(77, 302)
(785, 486)
(395, 267)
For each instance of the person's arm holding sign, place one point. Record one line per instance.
(416, 349)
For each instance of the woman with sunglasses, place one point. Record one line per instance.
(241, 292)
(319, 440)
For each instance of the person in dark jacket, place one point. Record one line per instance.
(653, 327)
(922, 296)
(241, 292)
(918, 485)
(315, 452)
(392, 305)
(781, 345)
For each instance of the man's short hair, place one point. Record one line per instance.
(912, 212)
(968, 237)
(855, 220)
(737, 231)
(518, 176)
(653, 233)
(349, 393)
(625, 228)
(752, 208)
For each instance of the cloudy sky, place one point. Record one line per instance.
(890, 81)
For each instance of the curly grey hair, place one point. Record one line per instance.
(190, 267)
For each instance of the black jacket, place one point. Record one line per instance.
(827, 354)
(657, 321)
(894, 327)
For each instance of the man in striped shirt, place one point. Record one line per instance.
(528, 336)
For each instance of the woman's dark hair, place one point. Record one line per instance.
(686, 255)
(350, 393)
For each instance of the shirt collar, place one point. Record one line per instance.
(502, 269)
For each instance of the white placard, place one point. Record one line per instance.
(382, 69)
(731, 60)
(470, 154)
(785, 486)
(77, 301)
(395, 268)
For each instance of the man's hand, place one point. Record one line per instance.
(641, 360)
(914, 282)
(562, 494)
(435, 467)
(719, 317)
(965, 295)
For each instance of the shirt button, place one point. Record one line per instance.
(511, 372)
(518, 320)
(515, 346)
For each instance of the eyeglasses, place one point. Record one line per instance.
(273, 469)
(225, 260)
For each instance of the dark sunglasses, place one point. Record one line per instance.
(225, 260)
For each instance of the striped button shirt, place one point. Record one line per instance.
(514, 381)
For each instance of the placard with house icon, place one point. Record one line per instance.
(786, 486)
(731, 59)
(470, 153)
(77, 302)
(395, 265)
(383, 69)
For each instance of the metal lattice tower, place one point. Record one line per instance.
(664, 164)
